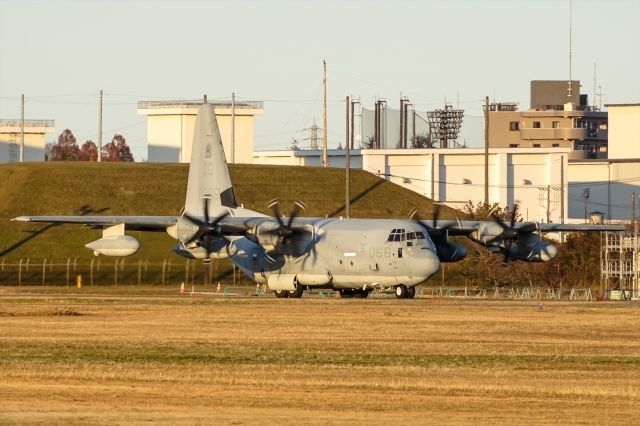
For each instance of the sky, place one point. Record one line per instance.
(60, 54)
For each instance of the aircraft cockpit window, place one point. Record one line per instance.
(393, 231)
(411, 235)
(390, 238)
(420, 235)
(404, 236)
(396, 237)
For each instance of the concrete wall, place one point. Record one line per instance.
(34, 143)
(610, 185)
(170, 133)
(455, 176)
(624, 131)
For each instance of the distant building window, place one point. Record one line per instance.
(603, 148)
(536, 145)
(514, 125)
(556, 124)
(556, 145)
(603, 126)
(514, 145)
(536, 124)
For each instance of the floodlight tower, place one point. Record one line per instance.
(444, 124)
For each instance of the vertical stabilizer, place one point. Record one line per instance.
(208, 171)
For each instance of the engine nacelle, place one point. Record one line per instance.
(538, 252)
(219, 250)
(450, 252)
(115, 245)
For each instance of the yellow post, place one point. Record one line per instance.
(79, 281)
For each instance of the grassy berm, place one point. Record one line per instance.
(79, 188)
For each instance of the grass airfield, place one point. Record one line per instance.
(127, 355)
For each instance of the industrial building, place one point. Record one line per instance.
(532, 177)
(606, 185)
(558, 116)
(34, 139)
(170, 127)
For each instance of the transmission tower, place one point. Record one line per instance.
(314, 130)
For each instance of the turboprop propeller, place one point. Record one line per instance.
(436, 235)
(206, 229)
(511, 234)
(284, 231)
(447, 252)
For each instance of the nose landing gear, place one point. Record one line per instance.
(404, 292)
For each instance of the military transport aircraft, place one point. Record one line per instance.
(352, 256)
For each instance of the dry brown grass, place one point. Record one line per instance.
(319, 361)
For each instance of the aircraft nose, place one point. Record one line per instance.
(425, 264)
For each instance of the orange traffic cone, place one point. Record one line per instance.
(182, 288)
(218, 291)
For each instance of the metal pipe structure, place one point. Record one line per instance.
(347, 165)
(324, 118)
(486, 150)
(22, 128)
(100, 129)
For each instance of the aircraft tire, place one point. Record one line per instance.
(411, 292)
(361, 294)
(297, 293)
(281, 294)
(401, 291)
(346, 293)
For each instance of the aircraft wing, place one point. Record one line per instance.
(132, 223)
(229, 225)
(466, 227)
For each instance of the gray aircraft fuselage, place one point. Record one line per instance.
(346, 253)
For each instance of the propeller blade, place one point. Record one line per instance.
(273, 205)
(507, 247)
(436, 214)
(513, 214)
(206, 209)
(219, 219)
(206, 241)
(192, 219)
(499, 221)
(527, 229)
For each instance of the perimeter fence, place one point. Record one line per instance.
(508, 293)
(53, 272)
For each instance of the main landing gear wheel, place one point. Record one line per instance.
(281, 294)
(401, 291)
(411, 292)
(297, 293)
(346, 293)
(361, 294)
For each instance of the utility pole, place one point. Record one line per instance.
(570, 47)
(22, 128)
(324, 114)
(353, 120)
(562, 195)
(414, 124)
(595, 93)
(100, 129)
(401, 138)
(633, 209)
(406, 122)
(233, 127)
(348, 164)
(548, 203)
(376, 126)
(486, 150)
